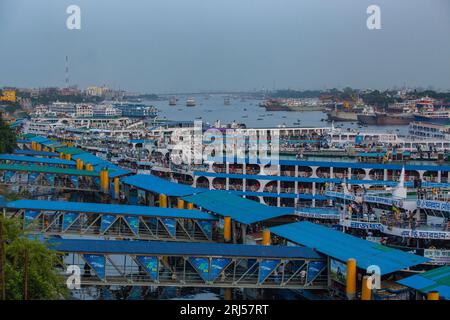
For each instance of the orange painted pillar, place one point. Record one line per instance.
(351, 279)
(266, 237)
(227, 229)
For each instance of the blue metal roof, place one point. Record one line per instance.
(39, 139)
(154, 184)
(12, 157)
(114, 209)
(37, 153)
(434, 280)
(180, 248)
(343, 246)
(239, 209)
(89, 158)
(114, 171)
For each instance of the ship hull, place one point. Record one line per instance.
(385, 119)
(342, 116)
(306, 108)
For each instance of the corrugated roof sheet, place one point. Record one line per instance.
(239, 209)
(434, 280)
(36, 153)
(180, 248)
(115, 209)
(12, 157)
(154, 184)
(343, 246)
(45, 169)
(70, 150)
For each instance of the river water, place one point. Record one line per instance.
(210, 108)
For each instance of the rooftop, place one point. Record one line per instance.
(161, 186)
(180, 248)
(239, 209)
(342, 246)
(114, 209)
(434, 280)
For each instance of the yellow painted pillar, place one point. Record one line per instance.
(433, 295)
(68, 156)
(227, 294)
(38, 147)
(227, 229)
(116, 187)
(53, 149)
(266, 237)
(81, 164)
(162, 201)
(351, 279)
(89, 167)
(61, 155)
(190, 206)
(180, 204)
(366, 293)
(106, 180)
(32, 145)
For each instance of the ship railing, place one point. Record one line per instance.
(403, 224)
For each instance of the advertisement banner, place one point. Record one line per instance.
(314, 269)
(133, 223)
(202, 266)
(96, 262)
(50, 178)
(32, 177)
(266, 267)
(206, 227)
(438, 257)
(74, 180)
(171, 225)
(107, 221)
(30, 216)
(217, 266)
(338, 271)
(68, 219)
(8, 176)
(150, 264)
(434, 205)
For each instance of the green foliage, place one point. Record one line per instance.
(44, 282)
(7, 138)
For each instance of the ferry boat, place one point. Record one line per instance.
(173, 101)
(190, 102)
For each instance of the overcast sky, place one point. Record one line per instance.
(197, 45)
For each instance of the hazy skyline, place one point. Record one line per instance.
(166, 46)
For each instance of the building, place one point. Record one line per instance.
(106, 111)
(84, 110)
(62, 108)
(136, 110)
(97, 91)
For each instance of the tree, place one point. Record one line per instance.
(7, 138)
(29, 266)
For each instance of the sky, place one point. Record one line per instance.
(164, 46)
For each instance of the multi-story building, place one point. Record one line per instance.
(62, 108)
(106, 110)
(84, 110)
